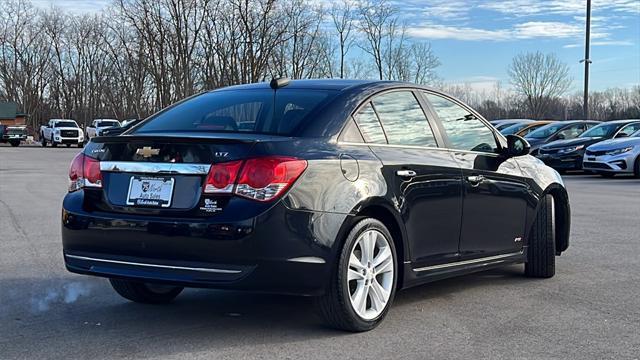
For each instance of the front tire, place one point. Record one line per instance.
(541, 253)
(363, 283)
(145, 293)
(636, 168)
(43, 140)
(15, 143)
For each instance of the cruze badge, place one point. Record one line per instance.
(147, 151)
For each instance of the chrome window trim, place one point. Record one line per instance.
(154, 167)
(210, 270)
(469, 262)
(419, 147)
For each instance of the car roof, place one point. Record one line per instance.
(624, 121)
(331, 84)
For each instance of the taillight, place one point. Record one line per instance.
(261, 179)
(266, 178)
(222, 177)
(84, 172)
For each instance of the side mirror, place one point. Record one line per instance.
(517, 146)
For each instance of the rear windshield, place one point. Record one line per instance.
(65, 124)
(107, 123)
(260, 111)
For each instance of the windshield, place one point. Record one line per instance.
(261, 111)
(107, 123)
(510, 130)
(545, 131)
(65, 124)
(602, 130)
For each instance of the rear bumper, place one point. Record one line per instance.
(274, 252)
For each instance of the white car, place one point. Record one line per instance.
(61, 131)
(98, 125)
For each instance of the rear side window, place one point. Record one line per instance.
(261, 111)
(370, 125)
(403, 119)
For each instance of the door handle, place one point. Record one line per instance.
(475, 180)
(406, 173)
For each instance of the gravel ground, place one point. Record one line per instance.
(589, 310)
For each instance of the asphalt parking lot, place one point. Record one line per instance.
(589, 310)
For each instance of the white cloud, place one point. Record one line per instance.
(602, 43)
(527, 30)
(559, 7)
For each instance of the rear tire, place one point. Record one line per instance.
(374, 281)
(541, 253)
(145, 293)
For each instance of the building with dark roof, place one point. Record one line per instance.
(9, 114)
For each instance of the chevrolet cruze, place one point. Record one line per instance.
(343, 190)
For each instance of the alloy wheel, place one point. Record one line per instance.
(370, 274)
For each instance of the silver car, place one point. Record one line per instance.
(615, 156)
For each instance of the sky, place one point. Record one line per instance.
(476, 39)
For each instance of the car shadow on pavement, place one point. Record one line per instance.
(75, 316)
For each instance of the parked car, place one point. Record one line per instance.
(117, 130)
(61, 131)
(559, 130)
(321, 196)
(523, 129)
(13, 134)
(98, 125)
(614, 156)
(568, 154)
(504, 123)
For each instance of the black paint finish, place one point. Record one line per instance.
(438, 216)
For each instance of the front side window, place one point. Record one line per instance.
(370, 125)
(571, 132)
(403, 119)
(628, 130)
(464, 130)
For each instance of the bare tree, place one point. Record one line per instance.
(539, 78)
(342, 15)
(376, 18)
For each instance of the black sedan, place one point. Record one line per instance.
(568, 154)
(342, 190)
(561, 130)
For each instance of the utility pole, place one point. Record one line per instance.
(587, 62)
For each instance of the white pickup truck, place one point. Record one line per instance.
(61, 131)
(98, 125)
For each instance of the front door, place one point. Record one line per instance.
(495, 193)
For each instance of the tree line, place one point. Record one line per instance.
(138, 56)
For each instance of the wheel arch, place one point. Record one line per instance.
(563, 215)
(381, 210)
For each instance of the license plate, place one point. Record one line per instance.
(150, 191)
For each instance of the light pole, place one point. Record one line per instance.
(587, 62)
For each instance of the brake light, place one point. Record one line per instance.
(222, 177)
(261, 179)
(266, 178)
(84, 172)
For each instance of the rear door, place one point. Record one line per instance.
(495, 192)
(425, 181)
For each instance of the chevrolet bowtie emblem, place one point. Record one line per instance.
(147, 151)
